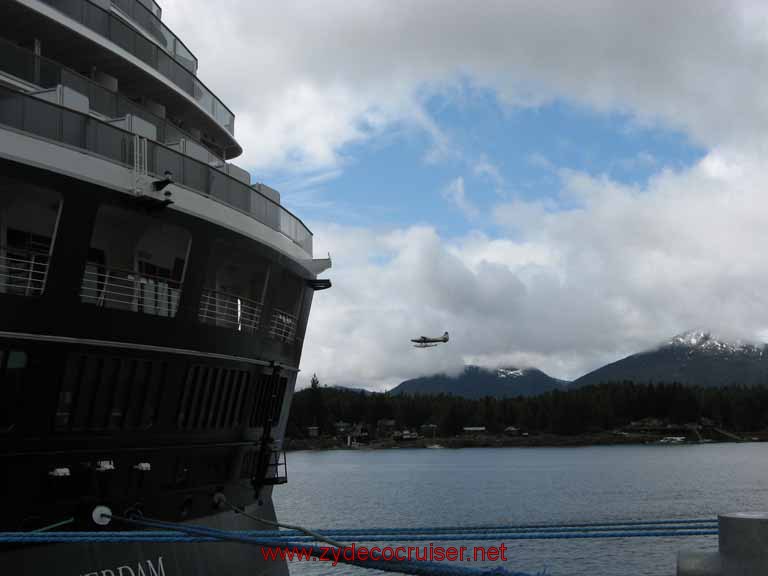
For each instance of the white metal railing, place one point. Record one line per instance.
(230, 310)
(129, 290)
(283, 326)
(23, 272)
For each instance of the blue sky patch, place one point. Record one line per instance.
(489, 154)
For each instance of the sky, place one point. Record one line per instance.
(556, 184)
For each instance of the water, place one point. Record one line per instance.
(421, 487)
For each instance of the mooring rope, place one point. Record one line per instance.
(300, 538)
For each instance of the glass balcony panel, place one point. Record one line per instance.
(166, 160)
(145, 51)
(164, 63)
(218, 185)
(21, 65)
(272, 217)
(75, 82)
(204, 98)
(172, 134)
(24, 112)
(124, 5)
(239, 195)
(195, 174)
(96, 19)
(179, 65)
(121, 34)
(73, 130)
(113, 143)
(11, 110)
(258, 206)
(185, 57)
(42, 119)
(182, 78)
(73, 8)
(158, 32)
(46, 74)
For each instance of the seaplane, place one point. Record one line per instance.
(427, 342)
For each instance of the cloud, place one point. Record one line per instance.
(488, 170)
(454, 192)
(306, 83)
(623, 269)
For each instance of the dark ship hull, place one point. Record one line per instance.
(153, 302)
(151, 559)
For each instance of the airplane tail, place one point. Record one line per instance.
(445, 337)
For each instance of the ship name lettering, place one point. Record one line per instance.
(145, 568)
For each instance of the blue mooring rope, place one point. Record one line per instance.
(171, 532)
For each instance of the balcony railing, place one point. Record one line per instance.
(23, 273)
(152, 25)
(153, 7)
(129, 290)
(230, 310)
(53, 122)
(113, 28)
(283, 326)
(25, 65)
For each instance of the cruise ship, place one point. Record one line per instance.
(153, 300)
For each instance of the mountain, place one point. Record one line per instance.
(475, 382)
(695, 357)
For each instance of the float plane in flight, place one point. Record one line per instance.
(427, 342)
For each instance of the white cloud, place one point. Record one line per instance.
(624, 269)
(305, 80)
(454, 192)
(489, 170)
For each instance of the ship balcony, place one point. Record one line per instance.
(23, 272)
(149, 22)
(86, 37)
(50, 122)
(129, 290)
(23, 65)
(230, 311)
(283, 326)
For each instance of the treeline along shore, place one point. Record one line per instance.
(610, 413)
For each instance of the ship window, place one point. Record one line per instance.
(136, 263)
(287, 292)
(28, 217)
(235, 283)
(13, 364)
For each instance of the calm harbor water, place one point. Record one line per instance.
(409, 487)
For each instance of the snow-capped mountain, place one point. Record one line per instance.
(477, 382)
(700, 340)
(696, 357)
(511, 372)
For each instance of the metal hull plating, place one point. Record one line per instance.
(156, 410)
(151, 559)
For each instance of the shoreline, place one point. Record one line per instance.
(492, 441)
